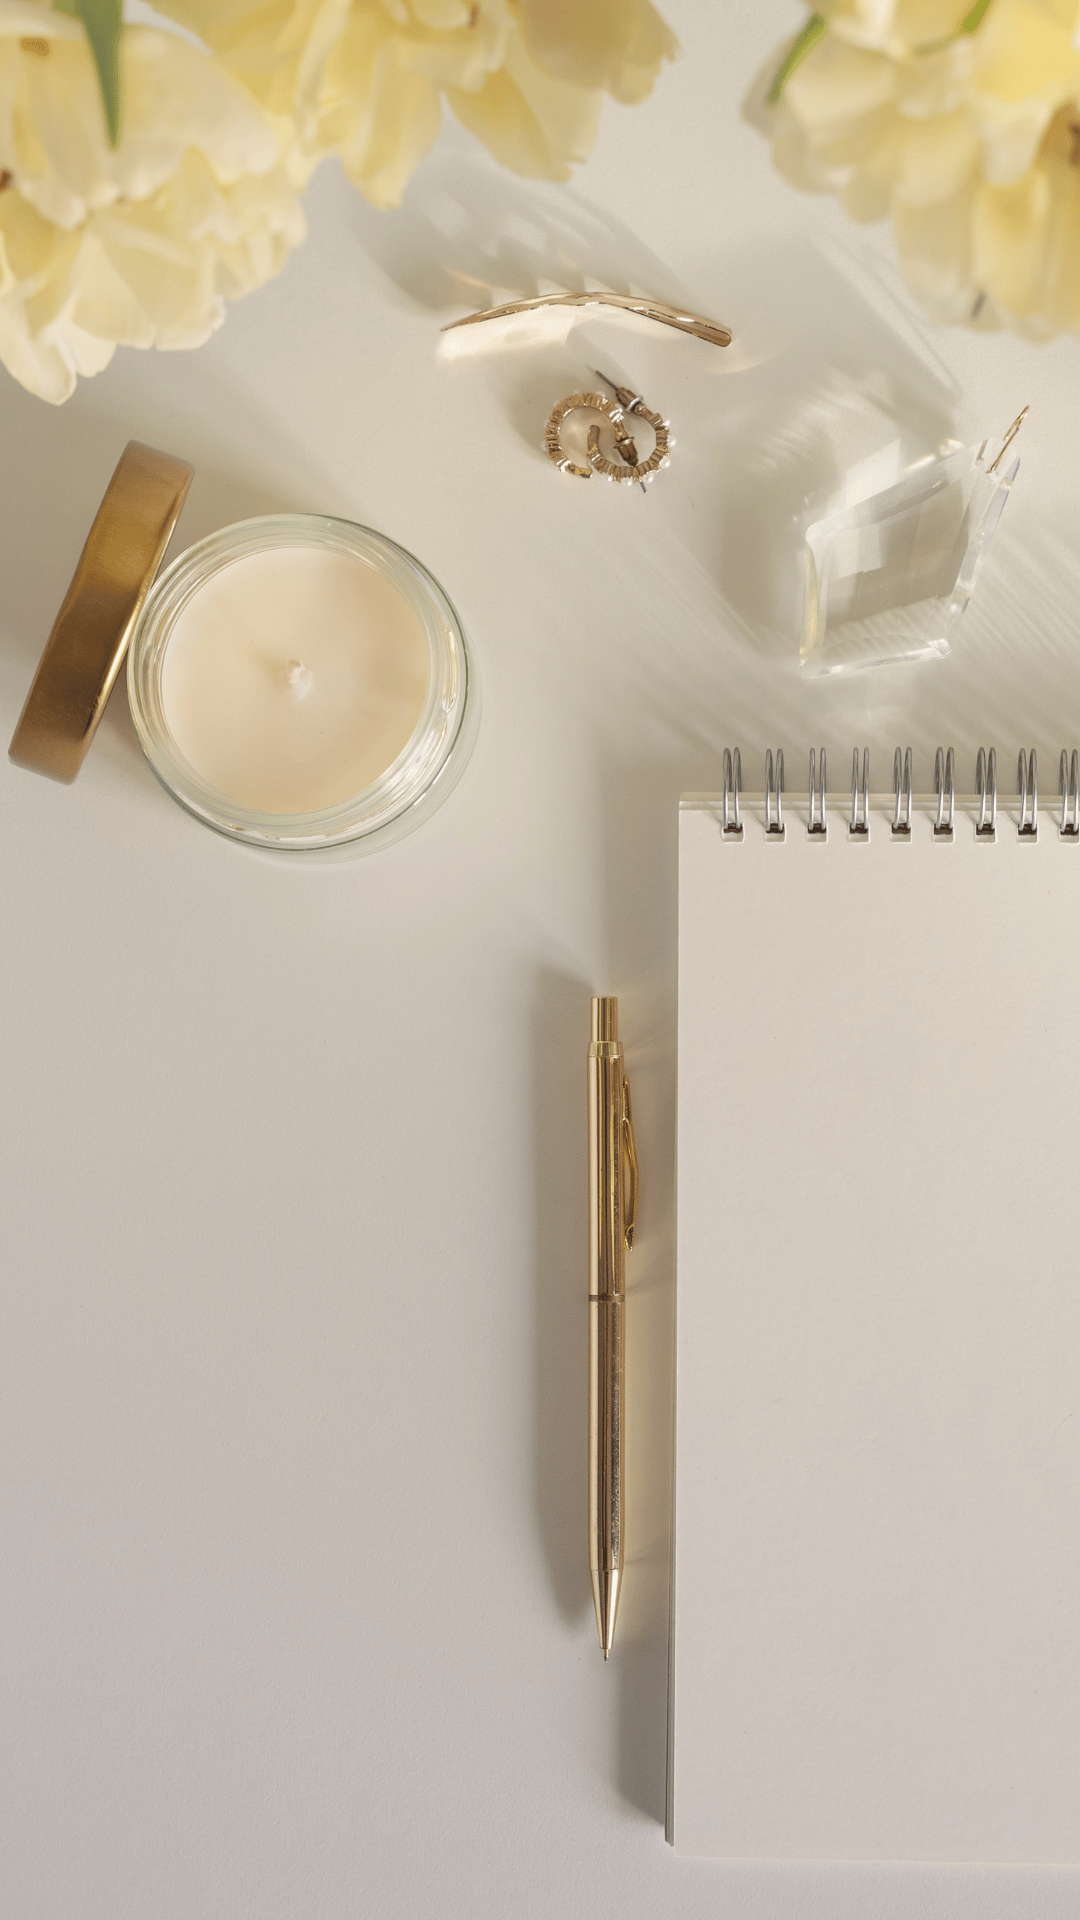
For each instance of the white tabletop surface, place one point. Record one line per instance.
(297, 1618)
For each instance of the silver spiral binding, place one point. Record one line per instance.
(986, 788)
(860, 797)
(901, 779)
(732, 827)
(774, 787)
(1027, 782)
(815, 816)
(1069, 789)
(942, 822)
(944, 783)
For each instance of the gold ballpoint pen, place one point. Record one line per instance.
(613, 1184)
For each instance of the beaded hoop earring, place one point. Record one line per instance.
(574, 403)
(642, 469)
(615, 411)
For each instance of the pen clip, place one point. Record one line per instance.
(630, 1152)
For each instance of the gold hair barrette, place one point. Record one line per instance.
(660, 310)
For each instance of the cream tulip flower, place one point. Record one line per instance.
(140, 245)
(366, 79)
(961, 125)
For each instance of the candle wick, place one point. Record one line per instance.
(297, 679)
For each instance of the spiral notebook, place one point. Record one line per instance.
(876, 1619)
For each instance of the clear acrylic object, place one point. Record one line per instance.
(889, 577)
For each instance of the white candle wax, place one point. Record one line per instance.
(293, 678)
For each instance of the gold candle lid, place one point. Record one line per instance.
(85, 649)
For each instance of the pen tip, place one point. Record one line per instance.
(606, 1595)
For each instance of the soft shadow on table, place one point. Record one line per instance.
(468, 236)
(560, 1036)
(640, 798)
(826, 369)
(827, 362)
(1014, 679)
(639, 1662)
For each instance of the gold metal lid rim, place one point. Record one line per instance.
(85, 650)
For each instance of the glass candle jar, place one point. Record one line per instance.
(300, 682)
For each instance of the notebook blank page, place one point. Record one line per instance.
(877, 1585)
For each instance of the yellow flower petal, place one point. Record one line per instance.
(1061, 303)
(838, 84)
(531, 123)
(105, 303)
(609, 46)
(442, 16)
(934, 244)
(399, 121)
(938, 156)
(142, 245)
(974, 150)
(895, 25)
(365, 78)
(1009, 241)
(1022, 50)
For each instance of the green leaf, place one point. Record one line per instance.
(970, 23)
(974, 19)
(813, 31)
(102, 20)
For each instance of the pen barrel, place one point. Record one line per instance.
(606, 1378)
(607, 1247)
(607, 1254)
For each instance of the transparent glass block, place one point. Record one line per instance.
(888, 578)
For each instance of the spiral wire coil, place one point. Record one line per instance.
(732, 783)
(1027, 783)
(901, 779)
(815, 817)
(859, 828)
(944, 783)
(774, 787)
(986, 788)
(1069, 789)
